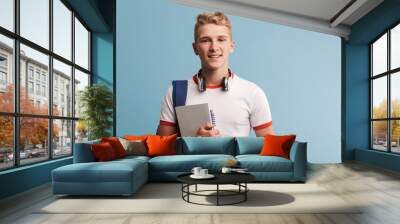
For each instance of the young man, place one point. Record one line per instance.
(241, 108)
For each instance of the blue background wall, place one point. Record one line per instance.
(357, 85)
(300, 71)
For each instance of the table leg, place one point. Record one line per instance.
(217, 194)
(188, 190)
(196, 188)
(245, 193)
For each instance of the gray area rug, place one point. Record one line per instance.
(166, 198)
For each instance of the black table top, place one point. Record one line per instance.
(220, 178)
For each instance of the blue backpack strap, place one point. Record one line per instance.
(179, 92)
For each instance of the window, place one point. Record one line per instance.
(385, 91)
(38, 74)
(35, 22)
(30, 87)
(62, 29)
(7, 14)
(44, 91)
(3, 72)
(30, 72)
(6, 86)
(81, 81)
(44, 131)
(3, 61)
(3, 78)
(62, 74)
(37, 89)
(81, 45)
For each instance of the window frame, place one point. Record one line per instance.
(388, 74)
(16, 114)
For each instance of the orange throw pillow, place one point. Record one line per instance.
(116, 145)
(277, 145)
(161, 145)
(136, 137)
(103, 152)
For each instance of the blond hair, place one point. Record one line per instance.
(217, 18)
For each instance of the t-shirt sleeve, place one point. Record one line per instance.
(167, 116)
(260, 115)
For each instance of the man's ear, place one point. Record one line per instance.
(195, 49)
(232, 47)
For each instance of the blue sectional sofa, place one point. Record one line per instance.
(125, 176)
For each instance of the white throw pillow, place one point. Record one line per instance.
(134, 147)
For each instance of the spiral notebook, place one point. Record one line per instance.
(191, 117)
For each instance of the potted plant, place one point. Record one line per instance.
(96, 102)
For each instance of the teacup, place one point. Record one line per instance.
(203, 172)
(196, 171)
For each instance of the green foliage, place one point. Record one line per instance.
(97, 104)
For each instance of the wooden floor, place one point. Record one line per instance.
(377, 188)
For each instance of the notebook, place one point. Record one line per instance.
(191, 117)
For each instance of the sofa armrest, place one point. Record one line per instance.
(83, 152)
(298, 155)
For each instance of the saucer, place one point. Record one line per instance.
(208, 176)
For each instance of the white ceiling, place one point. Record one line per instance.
(320, 9)
(326, 16)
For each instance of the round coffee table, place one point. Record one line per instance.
(238, 179)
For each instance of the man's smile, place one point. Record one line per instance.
(214, 55)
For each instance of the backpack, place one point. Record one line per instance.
(179, 92)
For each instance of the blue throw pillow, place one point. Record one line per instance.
(207, 145)
(249, 145)
(83, 153)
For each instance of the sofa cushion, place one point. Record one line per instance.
(83, 152)
(161, 145)
(103, 152)
(249, 145)
(134, 147)
(116, 145)
(131, 158)
(275, 145)
(257, 163)
(111, 171)
(206, 145)
(185, 163)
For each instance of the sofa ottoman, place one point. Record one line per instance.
(119, 177)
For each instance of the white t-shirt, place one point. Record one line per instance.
(242, 107)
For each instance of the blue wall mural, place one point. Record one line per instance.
(300, 71)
